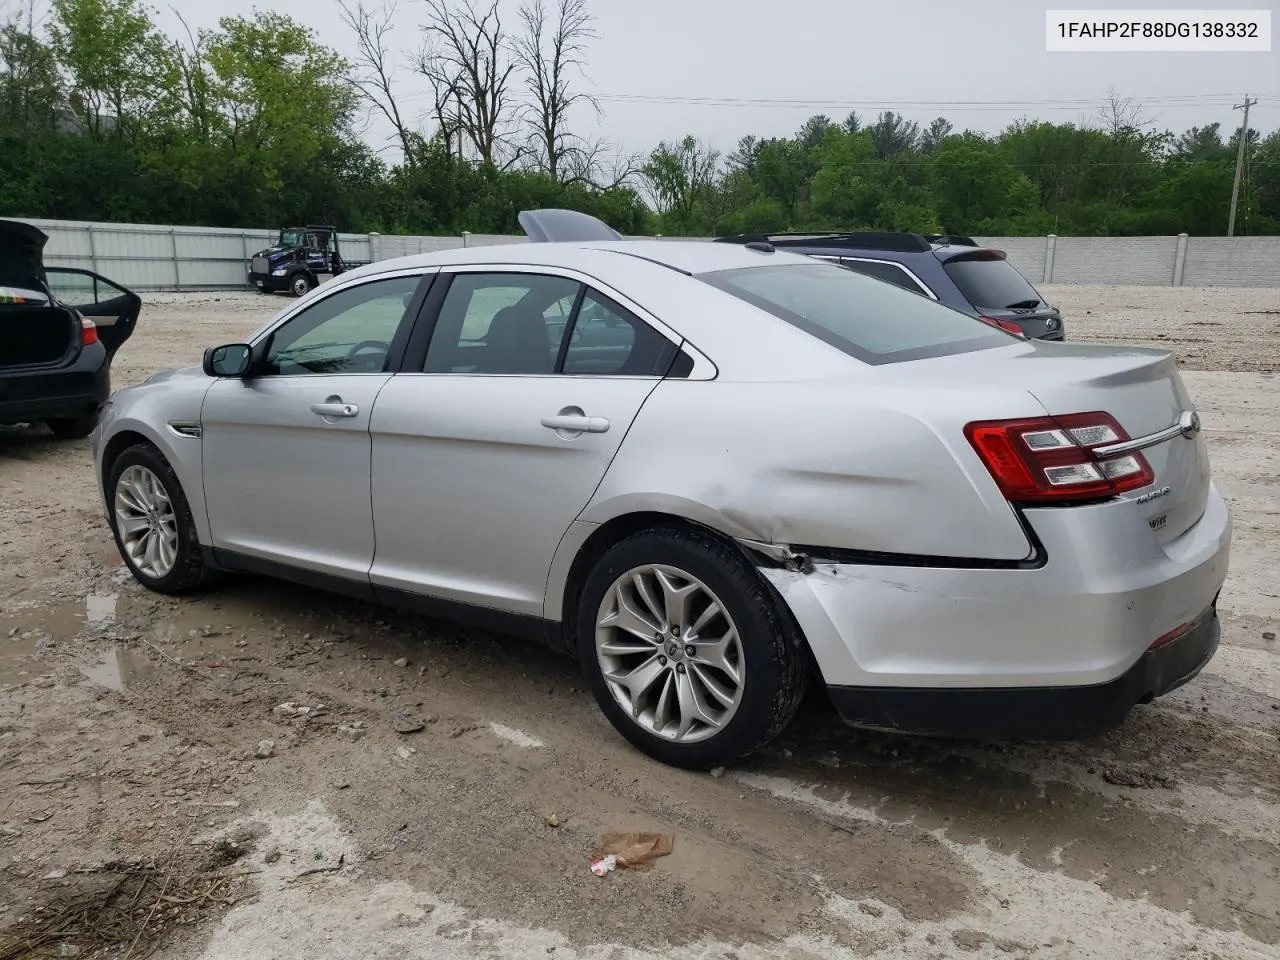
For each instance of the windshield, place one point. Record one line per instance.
(874, 321)
(994, 284)
(290, 238)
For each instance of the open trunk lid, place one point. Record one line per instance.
(21, 255)
(1139, 388)
(35, 331)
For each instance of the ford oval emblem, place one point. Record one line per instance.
(1190, 423)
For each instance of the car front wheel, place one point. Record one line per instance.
(300, 285)
(152, 522)
(685, 651)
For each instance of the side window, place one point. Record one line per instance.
(884, 270)
(609, 339)
(510, 323)
(348, 332)
(81, 288)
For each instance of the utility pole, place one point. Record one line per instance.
(1244, 138)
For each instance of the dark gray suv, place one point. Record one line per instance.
(954, 270)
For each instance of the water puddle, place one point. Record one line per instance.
(117, 669)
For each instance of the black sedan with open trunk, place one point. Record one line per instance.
(60, 327)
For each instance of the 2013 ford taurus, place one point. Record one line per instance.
(713, 473)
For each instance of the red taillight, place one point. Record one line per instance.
(1055, 459)
(1006, 325)
(88, 332)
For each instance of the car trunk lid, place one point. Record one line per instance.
(34, 331)
(1139, 388)
(21, 255)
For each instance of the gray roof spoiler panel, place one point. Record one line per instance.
(565, 226)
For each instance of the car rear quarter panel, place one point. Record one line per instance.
(842, 464)
(147, 410)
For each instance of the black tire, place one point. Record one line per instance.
(299, 285)
(189, 569)
(777, 667)
(73, 428)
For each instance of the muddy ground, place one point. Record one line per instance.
(155, 796)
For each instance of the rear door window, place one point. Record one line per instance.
(608, 339)
(870, 320)
(990, 283)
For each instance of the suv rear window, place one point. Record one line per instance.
(871, 320)
(991, 283)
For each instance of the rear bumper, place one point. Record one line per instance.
(1081, 614)
(70, 391)
(1034, 713)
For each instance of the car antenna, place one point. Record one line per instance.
(761, 246)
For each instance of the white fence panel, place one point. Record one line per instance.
(1234, 262)
(1136, 260)
(162, 257)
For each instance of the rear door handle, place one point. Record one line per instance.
(332, 409)
(570, 423)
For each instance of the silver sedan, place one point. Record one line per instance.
(713, 473)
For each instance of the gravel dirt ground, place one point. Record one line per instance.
(156, 795)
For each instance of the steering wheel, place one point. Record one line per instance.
(382, 345)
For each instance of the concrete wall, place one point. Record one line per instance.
(161, 257)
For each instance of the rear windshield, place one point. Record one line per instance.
(991, 283)
(874, 321)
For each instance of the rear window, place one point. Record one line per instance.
(868, 319)
(991, 283)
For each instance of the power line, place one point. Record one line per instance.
(893, 103)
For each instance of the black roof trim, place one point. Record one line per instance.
(951, 239)
(631, 253)
(862, 240)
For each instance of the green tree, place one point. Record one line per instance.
(30, 88)
(976, 188)
(120, 66)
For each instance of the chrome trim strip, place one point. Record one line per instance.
(1188, 425)
(187, 429)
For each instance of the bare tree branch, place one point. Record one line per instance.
(600, 166)
(548, 52)
(466, 61)
(373, 76)
(191, 61)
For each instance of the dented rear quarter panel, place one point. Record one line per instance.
(853, 463)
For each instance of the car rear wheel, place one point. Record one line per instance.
(73, 428)
(300, 285)
(685, 651)
(152, 522)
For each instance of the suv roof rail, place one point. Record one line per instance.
(860, 240)
(951, 239)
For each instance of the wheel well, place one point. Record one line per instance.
(117, 445)
(617, 530)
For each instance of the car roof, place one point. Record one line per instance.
(686, 256)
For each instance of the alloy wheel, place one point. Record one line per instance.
(670, 653)
(147, 522)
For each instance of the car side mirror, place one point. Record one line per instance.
(229, 360)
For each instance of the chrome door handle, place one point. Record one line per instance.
(335, 409)
(569, 423)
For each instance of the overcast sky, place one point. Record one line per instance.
(980, 63)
